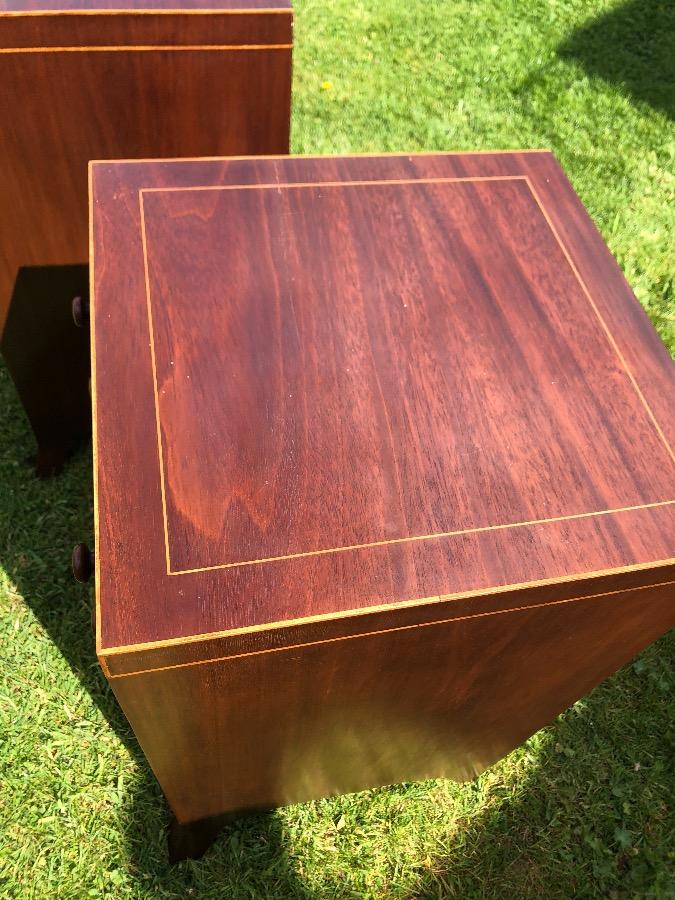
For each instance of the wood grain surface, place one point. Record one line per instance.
(139, 6)
(449, 700)
(383, 467)
(378, 370)
(347, 401)
(87, 83)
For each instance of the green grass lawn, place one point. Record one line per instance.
(585, 807)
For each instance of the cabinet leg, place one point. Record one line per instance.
(47, 356)
(192, 840)
(49, 461)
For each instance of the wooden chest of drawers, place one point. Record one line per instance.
(383, 466)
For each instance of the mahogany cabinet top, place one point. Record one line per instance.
(336, 395)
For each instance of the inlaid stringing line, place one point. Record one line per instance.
(395, 606)
(480, 529)
(177, 11)
(144, 48)
(380, 631)
(413, 538)
(605, 327)
(154, 376)
(273, 185)
(94, 419)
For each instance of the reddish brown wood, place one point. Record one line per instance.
(139, 6)
(384, 466)
(81, 81)
(449, 700)
(388, 346)
(89, 83)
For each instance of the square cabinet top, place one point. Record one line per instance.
(338, 394)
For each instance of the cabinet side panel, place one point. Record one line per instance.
(169, 27)
(447, 700)
(61, 109)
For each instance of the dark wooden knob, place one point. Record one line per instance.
(80, 310)
(83, 563)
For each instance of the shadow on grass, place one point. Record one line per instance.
(633, 47)
(591, 812)
(581, 809)
(40, 522)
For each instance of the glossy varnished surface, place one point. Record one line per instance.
(102, 31)
(395, 361)
(276, 728)
(322, 397)
(88, 82)
(87, 6)
(383, 467)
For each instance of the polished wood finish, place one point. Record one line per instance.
(384, 476)
(528, 473)
(140, 7)
(81, 81)
(265, 730)
(409, 341)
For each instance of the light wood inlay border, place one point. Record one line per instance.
(380, 631)
(410, 538)
(94, 426)
(164, 11)
(405, 154)
(144, 48)
(127, 649)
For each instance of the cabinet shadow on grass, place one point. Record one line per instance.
(498, 849)
(40, 522)
(590, 814)
(633, 48)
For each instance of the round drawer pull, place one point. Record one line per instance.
(83, 563)
(80, 310)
